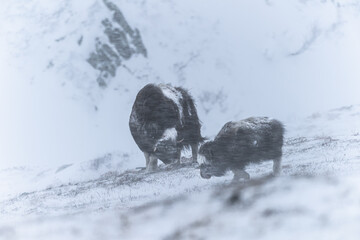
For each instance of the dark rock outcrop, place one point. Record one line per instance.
(122, 43)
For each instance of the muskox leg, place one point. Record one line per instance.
(177, 160)
(277, 166)
(152, 164)
(147, 158)
(239, 173)
(194, 149)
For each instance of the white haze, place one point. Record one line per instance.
(285, 59)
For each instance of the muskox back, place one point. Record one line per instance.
(240, 143)
(163, 121)
(255, 139)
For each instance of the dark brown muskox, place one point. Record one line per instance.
(238, 144)
(163, 121)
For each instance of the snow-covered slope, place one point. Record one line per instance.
(317, 196)
(68, 161)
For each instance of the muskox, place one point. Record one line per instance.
(163, 121)
(238, 144)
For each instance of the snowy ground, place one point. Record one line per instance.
(317, 196)
(68, 161)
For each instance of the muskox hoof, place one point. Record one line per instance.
(151, 170)
(141, 169)
(174, 165)
(239, 180)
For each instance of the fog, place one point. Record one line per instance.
(279, 59)
(69, 75)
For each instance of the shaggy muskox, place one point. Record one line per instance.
(163, 121)
(240, 143)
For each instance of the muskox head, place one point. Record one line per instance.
(166, 150)
(211, 166)
(167, 147)
(206, 151)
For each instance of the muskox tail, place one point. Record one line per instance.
(191, 124)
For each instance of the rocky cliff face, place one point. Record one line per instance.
(122, 43)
